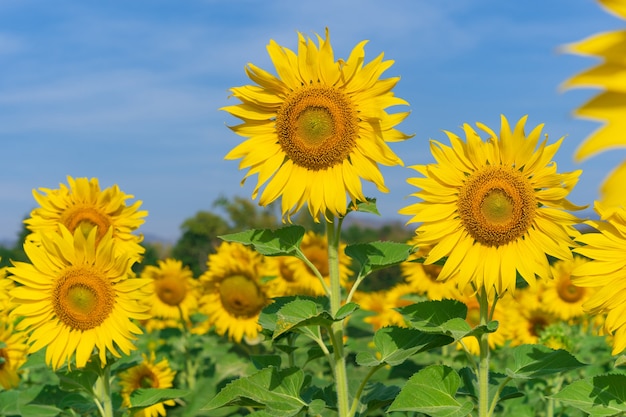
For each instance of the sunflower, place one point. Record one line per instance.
(560, 296)
(609, 106)
(494, 208)
(605, 270)
(384, 304)
(318, 128)
(296, 277)
(76, 295)
(174, 294)
(6, 285)
(423, 278)
(233, 292)
(13, 351)
(148, 374)
(84, 205)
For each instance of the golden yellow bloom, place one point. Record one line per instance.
(84, 205)
(76, 295)
(232, 291)
(13, 351)
(6, 284)
(175, 291)
(609, 106)
(424, 278)
(318, 128)
(606, 271)
(383, 304)
(294, 277)
(528, 315)
(560, 296)
(148, 374)
(494, 208)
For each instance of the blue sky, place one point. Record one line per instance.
(129, 91)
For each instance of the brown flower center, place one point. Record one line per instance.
(83, 298)
(568, 292)
(171, 290)
(241, 296)
(497, 205)
(85, 217)
(317, 127)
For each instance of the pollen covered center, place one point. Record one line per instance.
(497, 205)
(171, 290)
(82, 298)
(86, 217)
(317, 127)
(241, 296)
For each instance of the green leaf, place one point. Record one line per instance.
(145, 397)
(269, 315)
(397, 344)
(276, 391)
(379, 395)
(39, 410)
(432, 391)
(445, 317)
(345, 310)
(283, 241)
(263, 361)
(367, 206)
(533, 361)
(603, 395)
(378, 255)
(300, 313)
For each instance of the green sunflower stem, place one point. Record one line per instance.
(483, 364)
(337, 328)
(102, 392)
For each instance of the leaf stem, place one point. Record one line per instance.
(102, 391)
(359, 391)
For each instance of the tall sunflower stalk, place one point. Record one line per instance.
(313, 132)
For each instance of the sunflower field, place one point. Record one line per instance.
(502, 301)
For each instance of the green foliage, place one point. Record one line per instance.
(281, 242)
(602, 395)
(432, 391)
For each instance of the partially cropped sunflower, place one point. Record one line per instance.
(606, 271)
(76, 295)
(494, 208)
(560, 296)
(317, 128)
(383, 305)
(13, 353)
(148, 374)
(175, 293)
(609, 106)
(233, 294)
(83, 205)
(296, 277)
(6, 285)
(424, 278)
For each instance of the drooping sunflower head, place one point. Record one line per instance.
(83, 205)
(77, 295)
(174, 293)
(317, 128)
(233, 293)
(494, 208)
(148, 374)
